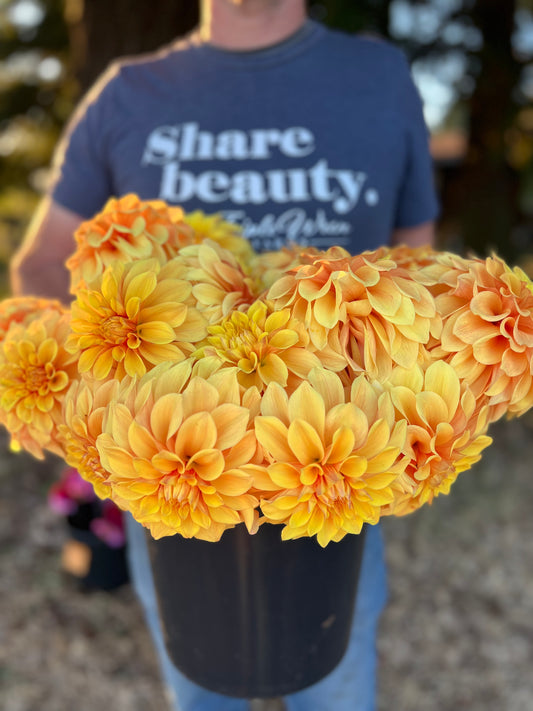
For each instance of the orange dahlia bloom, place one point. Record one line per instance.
(264, 345)
(177, 449)
(487, 336)
(135, 316)
(227, 234)
(412, 258)
(220, 284)
(24, 309)
(365, 306)
(445, 433)
(127, 229)
(35, 373)
(330, 463)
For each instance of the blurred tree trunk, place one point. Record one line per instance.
(483, 197)
(101, 30)
(351, 16)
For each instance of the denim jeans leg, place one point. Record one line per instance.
(351, 686)
(184, 694)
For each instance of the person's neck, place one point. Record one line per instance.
(250, 24)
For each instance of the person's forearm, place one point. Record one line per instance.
(38, 278)
(38, 267)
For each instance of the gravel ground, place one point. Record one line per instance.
(457, 633)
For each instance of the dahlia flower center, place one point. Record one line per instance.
(248, 341)
(37, 377)
(326, 481)
(118, 329)
(181, 486)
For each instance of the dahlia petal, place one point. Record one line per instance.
(157, 332)
(141, 441)
(381, 463)
(133, 365)
(304, 441)
(272, 435)
(197, 432)
(207, 463)
(103, 364)
(223, 514)
(307, 405)
(283, 475)
(273, 369)
(488, 305)
(117, 461)
(232, 484)
(315, 522)
(300, 361)
(166, 417)
(231, 422)
(513, 364)
(200, 396)
(47, 351)
(140, 286)
(354, 467)
(329, 387)
(87, 359)
(342, 445)
(326, 310)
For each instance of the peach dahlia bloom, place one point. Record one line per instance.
(35, 373)
(219, 282)
(176, 449)
(446, 432)
(84, 411)
(487, 336)
(127, 229)
(135, 316)
(366, 306)
(329, 462)
(264, 345)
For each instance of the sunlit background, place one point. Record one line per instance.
(458, 630)
(472, 61)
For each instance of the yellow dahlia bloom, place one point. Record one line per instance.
(226, 234)
(176, 450)
(331, 463)
(220, 285)
(445, 433)
(264, 345)
(127, 229)
(84, 410)
(35, 373)
(24, 309)
(135, 316)
(487, 336)
(366, 306)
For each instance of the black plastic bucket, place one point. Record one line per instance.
(255, 616)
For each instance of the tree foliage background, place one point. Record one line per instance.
(472, 60)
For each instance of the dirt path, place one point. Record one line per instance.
(457, 634)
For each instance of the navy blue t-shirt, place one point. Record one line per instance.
(319, 139)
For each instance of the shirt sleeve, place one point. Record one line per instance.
(417, 199)
(81, 179)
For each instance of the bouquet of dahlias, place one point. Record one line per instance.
(201, 386)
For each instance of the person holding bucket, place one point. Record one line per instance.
(299, 134)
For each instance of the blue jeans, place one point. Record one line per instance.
(351, 686)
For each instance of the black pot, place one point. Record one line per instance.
(255, 616)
